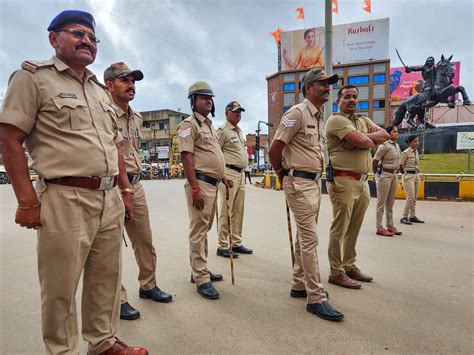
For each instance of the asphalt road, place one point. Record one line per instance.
(421, 300)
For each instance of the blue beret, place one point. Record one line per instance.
(72, 16)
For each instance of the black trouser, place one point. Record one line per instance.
(247, 175)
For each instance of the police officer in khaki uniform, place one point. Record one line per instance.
(63, 114)
(234, 148)
(297, 154)
(349, 139)
(409, 163)
(385, 167)
(203, 164)
(120, 81)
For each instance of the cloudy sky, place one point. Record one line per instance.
(225, 42)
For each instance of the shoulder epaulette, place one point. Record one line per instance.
(189, 118)
(300, 107)
(33, 66)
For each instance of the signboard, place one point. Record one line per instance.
(403, 85)
(465, 141)
(352, 42)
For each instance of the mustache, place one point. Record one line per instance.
(131, 90)
(326, 92)
(81, 46)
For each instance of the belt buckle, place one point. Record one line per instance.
(106, 182)
(363, 177)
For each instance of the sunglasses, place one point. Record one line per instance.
(79, 34)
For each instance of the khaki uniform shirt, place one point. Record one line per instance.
(301, 129)
(233, 145)
(129, 124)
(389, 154)
(71, 127)
(409, 159)
(337, 127)
(197, 135)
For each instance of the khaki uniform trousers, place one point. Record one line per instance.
(139, 233)
(386, 184)
(304, 198)
(236, 204)
(81, 233)
(411, 184)
(350, 199)
(200, 222)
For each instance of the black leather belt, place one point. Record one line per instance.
(233, 167)
(86, 182)
(208, 179)
(133, 178)
(411, 171)
(302, 174)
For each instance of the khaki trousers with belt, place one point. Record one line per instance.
(386, 184)
(236, 203)
(350, 199)
(139, 233)
(81, 234)
(200, 222)
(411, 184)
(304, 198)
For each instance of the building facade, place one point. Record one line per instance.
(371, 78)
(159, 128)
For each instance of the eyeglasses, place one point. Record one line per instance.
(79, 34)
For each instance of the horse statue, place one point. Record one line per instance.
(443, 91)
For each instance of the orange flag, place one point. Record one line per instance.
(335, 8)
(300, 12)
(276, 34)
(367, 6)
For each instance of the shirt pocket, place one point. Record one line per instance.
(72, 113)
(108, 120)
(207, 140)
(311, 134)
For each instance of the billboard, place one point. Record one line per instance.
(352, 42)
(403, 85)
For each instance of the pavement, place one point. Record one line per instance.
(421, 300)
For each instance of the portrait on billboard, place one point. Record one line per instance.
(303, 49)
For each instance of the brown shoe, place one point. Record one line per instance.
(120, 348)
(394, 230)
(343, 280)
(356, 274)
(384, 232)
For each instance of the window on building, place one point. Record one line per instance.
(286, 108)
(162, 126)
(363, 105)
(358, 80)
(300, 86)
(289, 87)
(379, 103)
(335, 107)
(379, 78)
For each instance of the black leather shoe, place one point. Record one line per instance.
(242, 250)
(214, 277)
(415, 220)
(325, 311)
(226, 253)
(127, 312)
(405, 220)
(156, 295)
(303, 294)
(208, 291)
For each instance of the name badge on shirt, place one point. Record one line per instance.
(67, 95)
